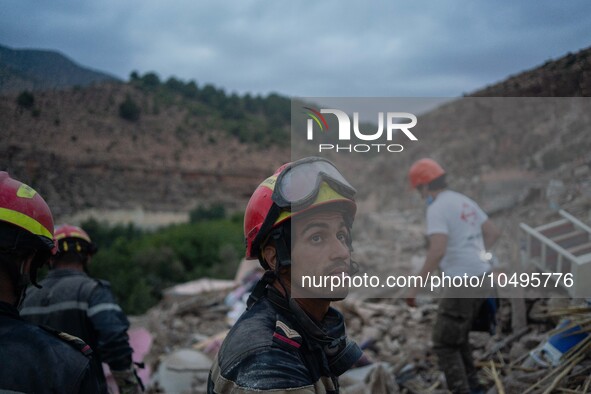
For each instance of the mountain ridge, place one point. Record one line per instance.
(35, 69)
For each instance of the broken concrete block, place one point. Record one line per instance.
(180, 369)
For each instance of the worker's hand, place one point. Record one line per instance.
(411, 301)
(128, 381)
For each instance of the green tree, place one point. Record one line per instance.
(191, 90)
(151, 80)
(140, 265)
(129, 110)
(212, 96)
(215, 211)
(174, 84)
(25, 100)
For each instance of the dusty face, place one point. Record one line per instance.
(320, 251)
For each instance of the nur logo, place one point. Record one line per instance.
(392, 120)
(316, 117)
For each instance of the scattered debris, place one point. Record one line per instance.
(396, 339)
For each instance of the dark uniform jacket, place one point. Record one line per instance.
(75, 303)
(35, 360)
(267, 350)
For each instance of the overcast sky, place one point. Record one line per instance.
(307, 48)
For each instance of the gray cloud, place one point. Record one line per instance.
(307, 48)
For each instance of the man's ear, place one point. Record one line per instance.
(270, 256)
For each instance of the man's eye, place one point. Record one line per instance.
(315, 238)
(343, 237)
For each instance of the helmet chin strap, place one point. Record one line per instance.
(283, 252)
(21, 286)
(40, 258)
(283, 258)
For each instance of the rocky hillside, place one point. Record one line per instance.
(129, 146)
(506, 140)
(564, 77)
(30, 69)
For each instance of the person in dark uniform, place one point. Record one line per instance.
(297, 222)
(32, 359)
(73, 302)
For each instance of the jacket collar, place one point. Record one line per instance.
(63, 272)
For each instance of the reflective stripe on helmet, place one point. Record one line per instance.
(72, 234)
(26, 222)
(326, 195)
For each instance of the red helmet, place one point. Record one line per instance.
(68, 236)
(424, 171)
(263, 212)
(22, 206)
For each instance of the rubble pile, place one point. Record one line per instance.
(198, 324)
(519, 368)
(393, 336)
(186, 323)
(391, 332)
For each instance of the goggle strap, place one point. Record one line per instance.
(343, 189)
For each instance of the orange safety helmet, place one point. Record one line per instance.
(313, 181)
(424, 171)
(73, 238)
(23, 207)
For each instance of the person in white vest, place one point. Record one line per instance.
(460, 234)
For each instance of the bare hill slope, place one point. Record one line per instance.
(77, 150)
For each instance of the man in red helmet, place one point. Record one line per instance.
(459, 233)
(34, 359)
(73, 302)
(297, 222)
